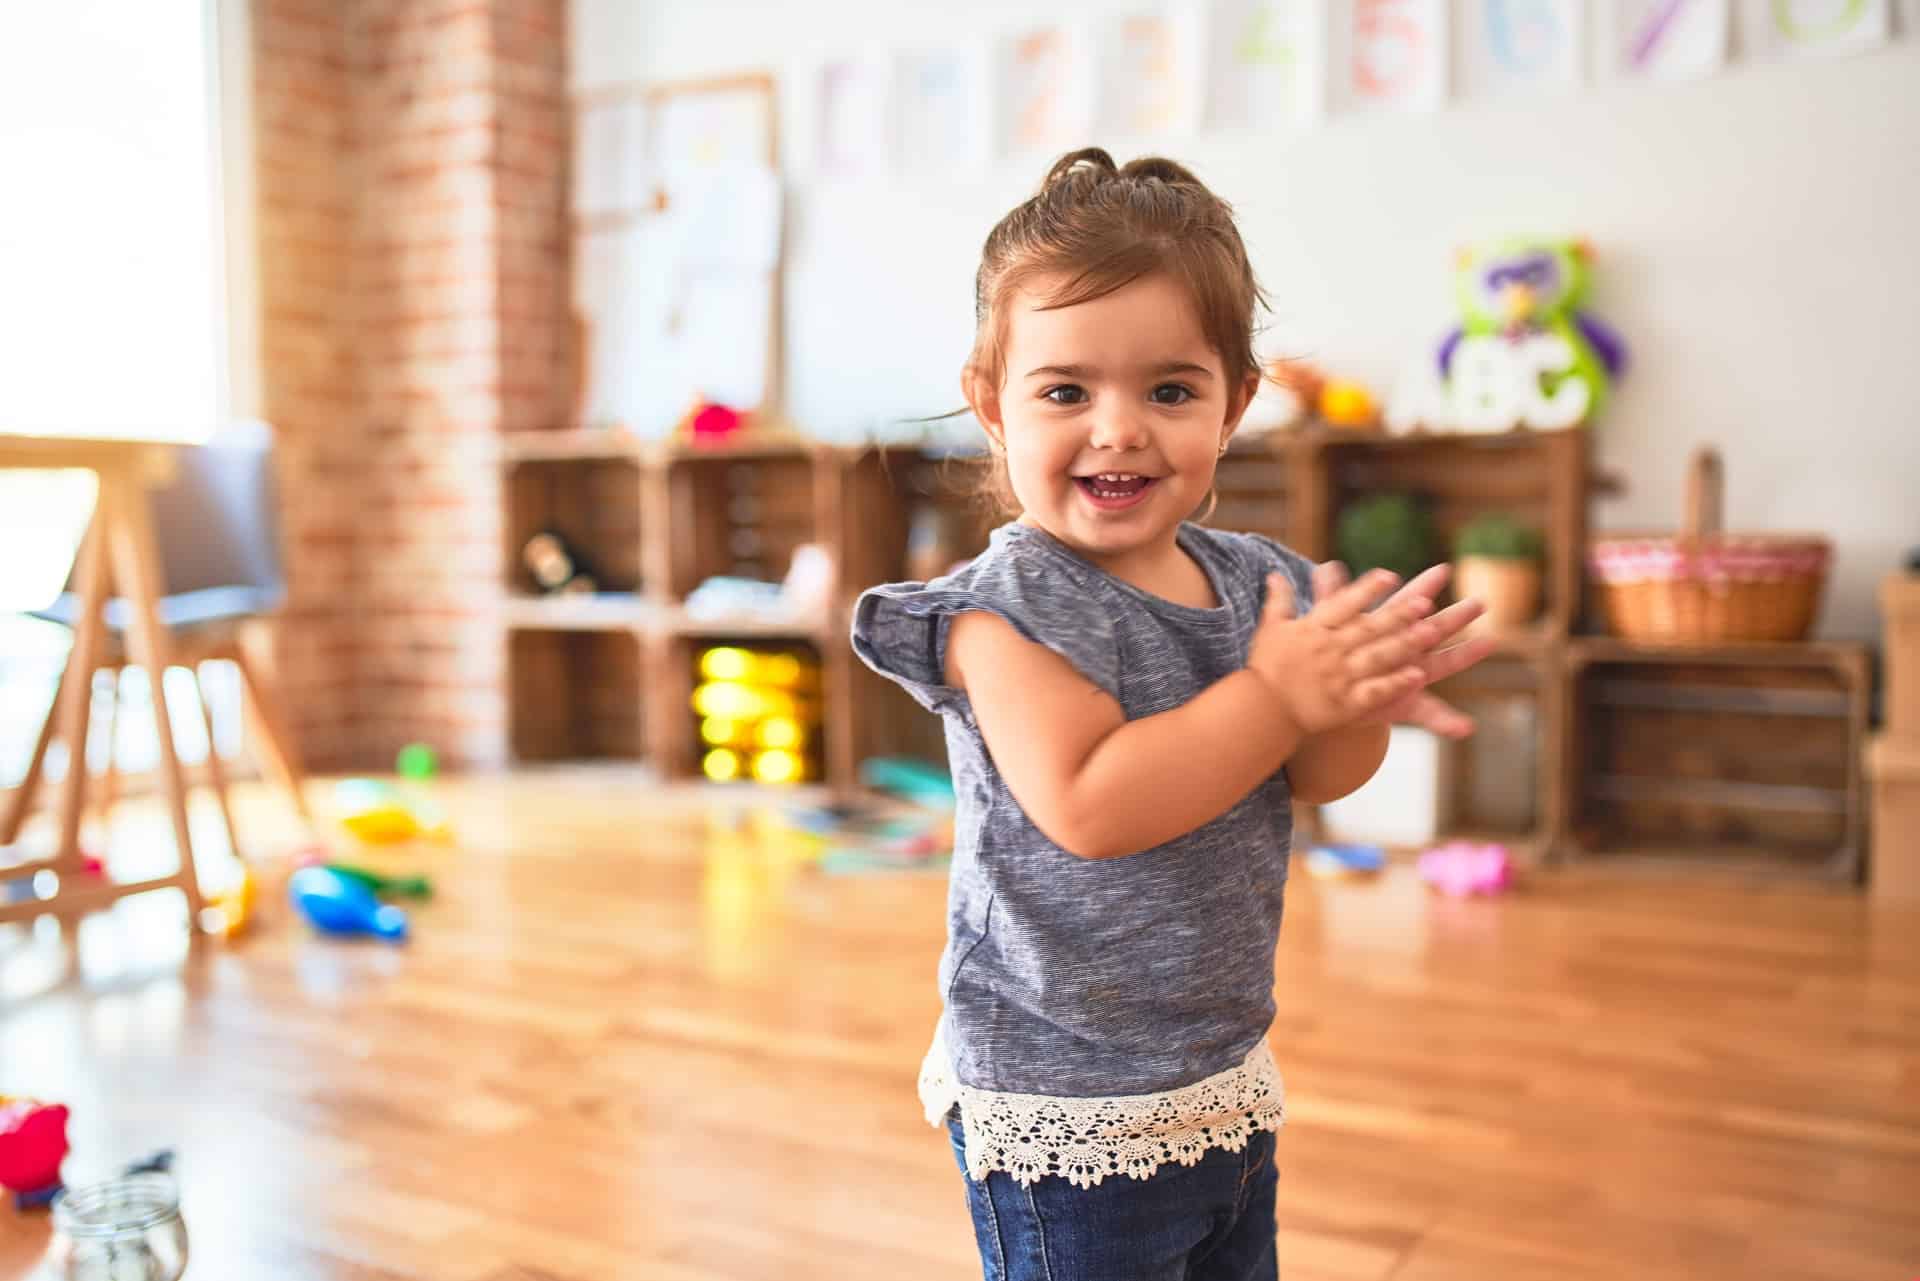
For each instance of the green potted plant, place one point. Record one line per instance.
(1388, 531)
(1496, 560)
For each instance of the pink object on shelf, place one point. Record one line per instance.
(1461, 868)
(713, 424)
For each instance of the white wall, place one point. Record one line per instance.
(1758, 238)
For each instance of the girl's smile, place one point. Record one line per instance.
(1115, 491)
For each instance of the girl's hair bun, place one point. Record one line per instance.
(1158, 167)
(1078, 166)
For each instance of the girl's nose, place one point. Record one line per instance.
(1118, 429)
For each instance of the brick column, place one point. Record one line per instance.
(308, 387)
(445, 152)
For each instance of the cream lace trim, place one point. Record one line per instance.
(1083, 1140)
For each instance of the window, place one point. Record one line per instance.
(125, 273)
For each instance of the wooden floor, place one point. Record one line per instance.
(630, 1040)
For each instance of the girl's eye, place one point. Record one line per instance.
(1172, 394)
(1065, 394)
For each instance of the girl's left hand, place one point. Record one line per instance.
(1419, 708)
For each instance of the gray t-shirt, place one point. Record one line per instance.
(1079, 977)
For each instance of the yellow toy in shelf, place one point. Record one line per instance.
(758, 714)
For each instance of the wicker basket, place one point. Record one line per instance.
(1703, 585)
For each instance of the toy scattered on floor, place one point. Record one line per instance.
(1345, 862)
(378, 883)
(909, 779)
(379, 813)
(230, 912)
(340, 905)
(882, 837)
(1461, 868)
(160, 1162)
(21, 889)
(417, 761)
(33, 1143)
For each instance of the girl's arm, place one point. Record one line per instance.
(1102, 786)
(1329, 766)
(1097, 784)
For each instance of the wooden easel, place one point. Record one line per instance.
(119, 548)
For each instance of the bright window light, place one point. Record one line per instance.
(111, 281)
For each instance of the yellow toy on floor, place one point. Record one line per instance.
(230, 912)
(380, 813)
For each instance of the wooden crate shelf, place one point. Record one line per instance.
(614, 612)
(576, 695)
(1728, 756)
(1542, 478)
(656, 520)
(592, 503)
(1590, 748)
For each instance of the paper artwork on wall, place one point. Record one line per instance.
(610, 158)
(1667, 39)
(679, 303)
(1389, 55)
(852, 121)
(706, 133)
(1265, 64)
(1148, 74)
(1816, 28)
(1044, 90)
(1513, 46)
(944, 111)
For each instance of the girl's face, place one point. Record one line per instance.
(1112, 414)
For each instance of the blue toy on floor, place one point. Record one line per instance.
(337, 904)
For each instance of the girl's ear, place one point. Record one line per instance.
(1237, 408)
(984, 399)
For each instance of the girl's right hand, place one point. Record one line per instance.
(1341, 663)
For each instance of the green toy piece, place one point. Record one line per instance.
(398, 886)
(417, 761)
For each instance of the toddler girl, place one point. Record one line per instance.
(1131, 703)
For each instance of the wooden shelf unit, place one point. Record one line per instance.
(1744, 757)
(1590, 748)
(1507, 781)
(611, 675)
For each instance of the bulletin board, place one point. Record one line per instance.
(677, 212)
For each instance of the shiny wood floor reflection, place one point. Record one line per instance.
(630, 1041)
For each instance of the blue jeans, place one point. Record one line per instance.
(1213, 1221)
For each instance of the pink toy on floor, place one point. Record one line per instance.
(33, 1142)
(1460, 868)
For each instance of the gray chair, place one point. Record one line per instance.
(216, 527)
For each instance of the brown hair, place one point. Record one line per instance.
(1101, 227)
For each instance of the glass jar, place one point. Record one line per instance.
(126, 1229)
